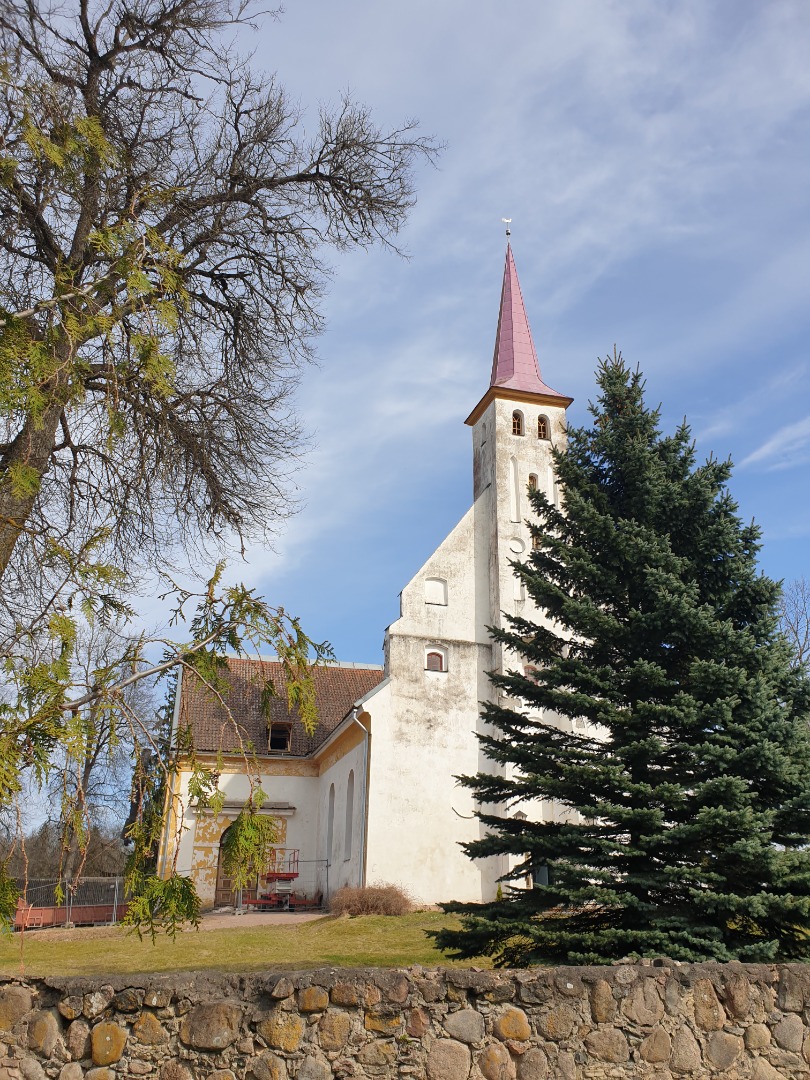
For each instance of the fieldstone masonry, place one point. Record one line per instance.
(657, 1019)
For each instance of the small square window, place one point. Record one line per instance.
(280, 738)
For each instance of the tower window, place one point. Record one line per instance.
(542, 428)
(532, 481)
(517, 422)
(280, 737)
(436, 591)
(435, 661)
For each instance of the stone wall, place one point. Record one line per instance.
(656, 1020)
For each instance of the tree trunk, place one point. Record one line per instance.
(32, 448)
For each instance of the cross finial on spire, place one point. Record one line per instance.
(507, 222)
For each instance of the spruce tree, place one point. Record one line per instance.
(686, 791)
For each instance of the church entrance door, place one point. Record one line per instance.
(225, 895)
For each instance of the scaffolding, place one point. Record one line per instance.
(287, 883)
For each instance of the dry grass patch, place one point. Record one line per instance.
(371, 900)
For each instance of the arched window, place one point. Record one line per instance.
(435, 660)
(514, 489)
(532, 481)
(543, 428)
(347, 835)
(330, 823)
(517, 422)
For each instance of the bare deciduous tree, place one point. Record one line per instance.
(794, 619)
(163, 216)
(90, 780)
(165, 219)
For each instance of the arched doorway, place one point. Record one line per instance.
(225, 895)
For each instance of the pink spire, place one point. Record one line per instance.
(515, 364)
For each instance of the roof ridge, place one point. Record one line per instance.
(322, 665)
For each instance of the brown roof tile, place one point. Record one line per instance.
(212, 729)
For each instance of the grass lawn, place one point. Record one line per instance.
(376, 940)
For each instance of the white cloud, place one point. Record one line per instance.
(378, 431)
(788, 447)
(736, 416)
(654, 159)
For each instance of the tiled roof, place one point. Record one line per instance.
(337, 688)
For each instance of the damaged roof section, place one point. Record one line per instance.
(337, 688)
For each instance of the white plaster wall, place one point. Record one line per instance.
(453, 562)
(342, 870)
(423, 727)
(181, 846)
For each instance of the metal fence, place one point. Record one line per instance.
(301, 886)
(90, 902)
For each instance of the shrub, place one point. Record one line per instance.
(379, 899)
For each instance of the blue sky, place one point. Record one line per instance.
(655, 159)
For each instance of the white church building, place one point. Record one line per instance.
(371, 797)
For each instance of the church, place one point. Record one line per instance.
(372, 797)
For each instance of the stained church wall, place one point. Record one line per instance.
(423, 725)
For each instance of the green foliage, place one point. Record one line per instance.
(23, 480)
(656, 705)
(247, 842)
(71, 145)
(9, 895)
(42, 714)
(163, 906)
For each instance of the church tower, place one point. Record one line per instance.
(515, 425)
(423, 718)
